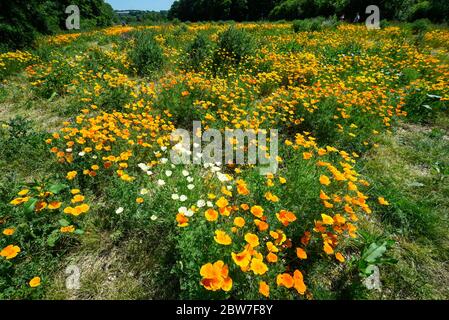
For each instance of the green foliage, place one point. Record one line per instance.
(34, 232)
(409, 10)
(22, 21)
(420, 26)
(197, 52)
(308, 25)
(234, 46)
(146, 56)
(375, 255)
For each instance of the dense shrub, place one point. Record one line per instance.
(420, 26)
(308, 25)
(234, 45)
(197, 52)
(146, 56)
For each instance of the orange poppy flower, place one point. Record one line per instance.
(215, 276)
(10, 252)
(182, 220)
(340, 257)
(285, 280)
(257, 211)
(301, 253)
(299, 282)
(271, 257)
(211, 215)
(264, 289)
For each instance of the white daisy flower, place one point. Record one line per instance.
(119, 210)
(200, 203)
(189, 213)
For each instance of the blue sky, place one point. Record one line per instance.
(140, 4)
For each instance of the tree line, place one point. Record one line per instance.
(21, 21)
(241, 10)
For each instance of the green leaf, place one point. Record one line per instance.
(30, 205)
(374, 252)
(52, 238)
(56, 188)
(52, 96)
(79, 231)
(64, 222)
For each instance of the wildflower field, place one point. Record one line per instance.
(92, 207)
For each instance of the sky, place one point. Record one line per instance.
(155, 5)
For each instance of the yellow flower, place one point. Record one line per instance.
(23, 192)
(71, 175)
(78, 198)
(239, 222)
(327, 219)
(222, 202)
(75, 191)
(252, 239)
(258, 267)
(35, 282)
(222, 237)
(383, 202)
(211, 215)
(271, 197)
(18, 201)
(10, 252)
(68, 229)
(241, 259)
(324, 180)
